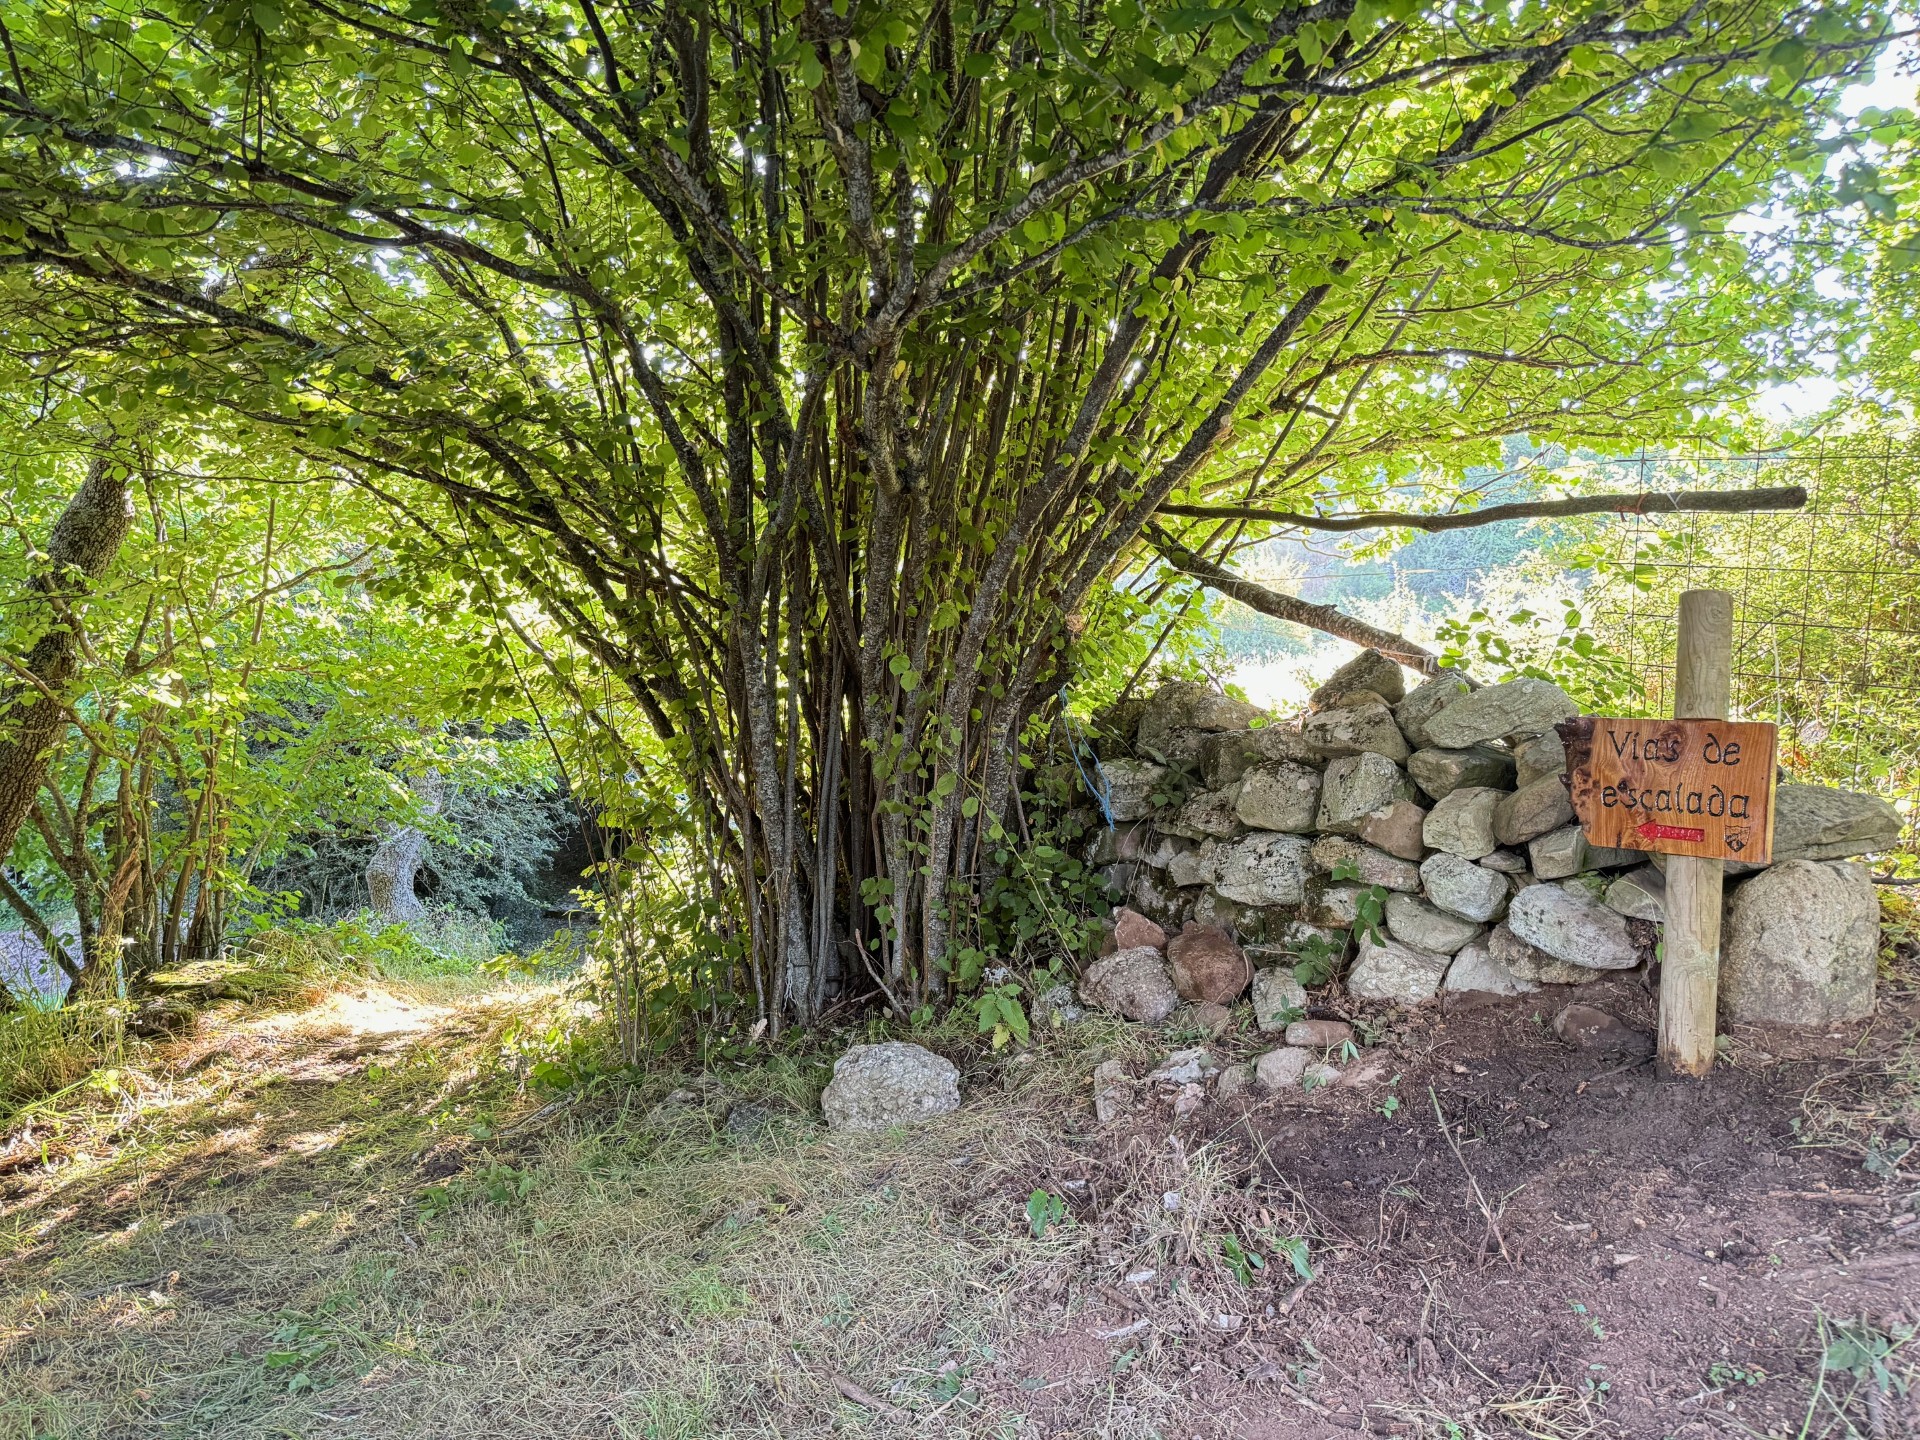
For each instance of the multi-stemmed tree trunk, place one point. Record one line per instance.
(818, 369)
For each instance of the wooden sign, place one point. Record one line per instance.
(1678, 787)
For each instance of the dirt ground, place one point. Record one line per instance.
(352, 1220)
(1605, 1252)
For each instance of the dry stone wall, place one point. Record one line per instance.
(1442, 812)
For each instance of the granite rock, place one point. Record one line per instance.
(1461, 822)
(1134, 984)
(1424, 926)
(1399, 829)
(1207, 965)
(1640, 895)
(1225, 758)
(1281, 797)
(1458, 886)
(1130, 787)
(1801, 945)
(1369, 670)
(1576, 929)
(1277, 996)
(1393, 970)
(1441, 772)
(1354, 787)
(1363, 864)
(1263, 869)
(1819, 822)
(1519, 708)
(1424, 702)
(1526, 814)
(1536, 759)
(876, 1087)
(1475, 971)
(1362, 729)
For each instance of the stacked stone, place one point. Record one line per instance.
(1452, 800)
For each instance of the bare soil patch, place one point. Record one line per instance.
(1606, 1253)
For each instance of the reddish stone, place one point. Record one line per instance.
(1207, 965)
(1397, 830)
(1131, 929)
(1319, 1034)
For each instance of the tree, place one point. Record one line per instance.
(33, 699)
(818, 367)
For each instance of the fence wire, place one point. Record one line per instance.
(1826, 601)
(1826, 598)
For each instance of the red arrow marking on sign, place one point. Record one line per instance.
(1654, 830)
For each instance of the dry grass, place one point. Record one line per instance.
(330, 1224)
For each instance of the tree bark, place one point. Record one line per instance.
(33, 711)
(391, 871)
(1652, 502)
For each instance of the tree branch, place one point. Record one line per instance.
(1654, 502)
(1291, 607)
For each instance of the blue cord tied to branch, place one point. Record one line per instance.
(1101, 793)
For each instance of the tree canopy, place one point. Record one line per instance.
(817, 368)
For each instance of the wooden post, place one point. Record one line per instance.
(1690, 971)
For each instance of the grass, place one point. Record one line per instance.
(43, 1051)
(256, 1236)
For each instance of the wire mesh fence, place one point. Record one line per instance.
(1826, 597)
(1826, 601)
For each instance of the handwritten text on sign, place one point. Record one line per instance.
(1679, 787)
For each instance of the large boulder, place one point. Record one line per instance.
(876, 1087)
(1130, 787)
(1801, 945)
(1412, 921)
(1527, 814)
(1131, 983)
(1357, 785)
(1475, 972)
(1573, 928)
(1279, 796)
(1180, 708)
(1519, 708)
(1355, 730)
(1461, 822)
(1207, 966)
(1458, 886)
(1818, 822)
(1263, 869)
(1369, 670)
(1391, 970)
(1441, 772)
(1224, 758)
(1363, 863)
(1278, 997)
(1399, 829)
(1423, 703)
